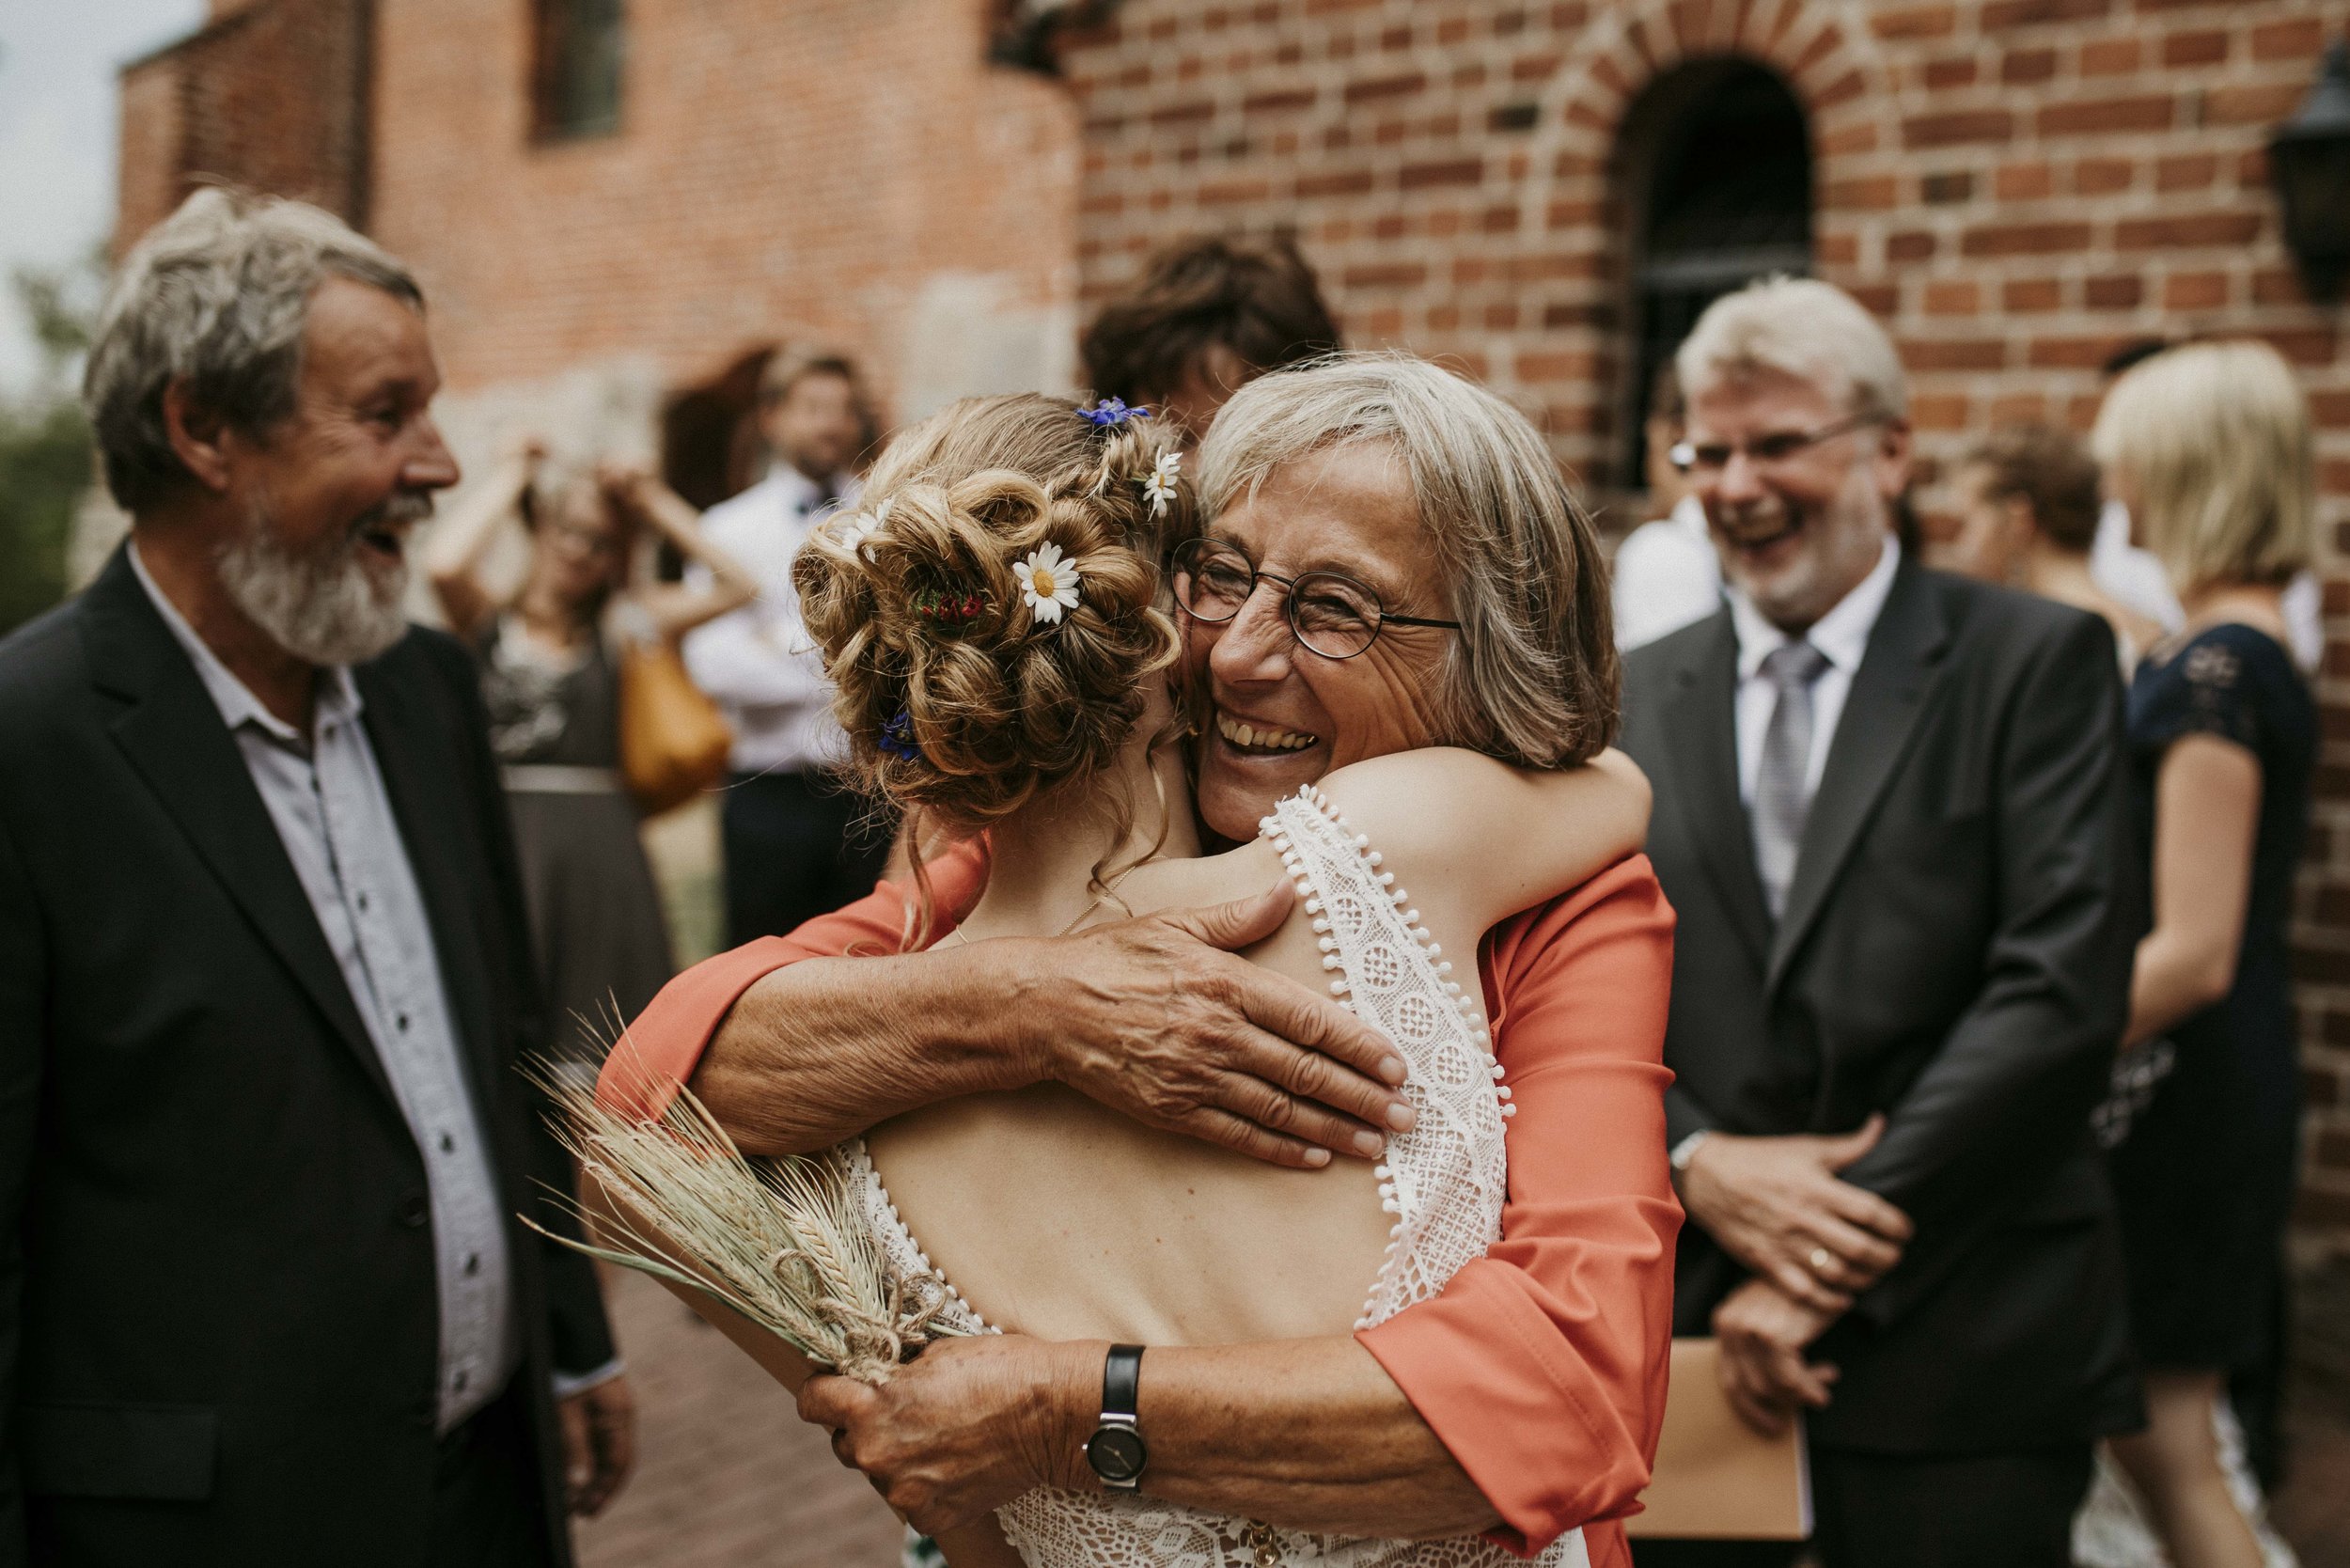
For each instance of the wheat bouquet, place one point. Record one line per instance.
(784, 1242)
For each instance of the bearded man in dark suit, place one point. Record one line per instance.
(263, 979)
(1891, 814)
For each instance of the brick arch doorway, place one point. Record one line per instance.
(1713, 170)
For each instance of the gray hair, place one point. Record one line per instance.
(1800, 328)
(217, 296)
(1532, 675)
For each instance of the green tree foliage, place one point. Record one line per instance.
(44, 469)
(45, 462)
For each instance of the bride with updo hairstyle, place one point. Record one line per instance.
(968, 692)
(1000, 621)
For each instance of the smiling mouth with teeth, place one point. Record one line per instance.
(1756, 535)
(1249, 738)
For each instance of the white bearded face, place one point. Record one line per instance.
(333, 604)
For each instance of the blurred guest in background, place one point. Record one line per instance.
(2029, 502)
(1892, 815)
(1209, 315)
(2131, 574)
(2209, 445)
(1666, 574)
(2124, 570)
(794, 844)
(265, 976)
(551, 670)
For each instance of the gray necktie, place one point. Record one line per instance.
(1782, 801)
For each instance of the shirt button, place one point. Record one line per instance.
(416, 1212)
(449, 1144)
(459, 1381)
(401, 1021)
(472, 1263)
(363, 903)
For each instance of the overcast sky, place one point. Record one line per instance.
(57, 60)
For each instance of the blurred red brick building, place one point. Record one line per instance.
(1543, 193)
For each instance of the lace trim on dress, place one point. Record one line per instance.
(1444, 1182)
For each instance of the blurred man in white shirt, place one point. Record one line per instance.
(792, 846)
(1667, 575)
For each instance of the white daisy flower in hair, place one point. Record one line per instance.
(1048, 584)
(857, 527)
(1159, 484)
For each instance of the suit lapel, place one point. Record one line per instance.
(430, 813)
(173, 736)
(1701, 721)
(1889, 692)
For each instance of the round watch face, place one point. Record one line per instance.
(1116, 1453)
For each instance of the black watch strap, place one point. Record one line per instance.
(1116, 1451)
(1121, 1381)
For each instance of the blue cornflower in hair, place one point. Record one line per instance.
(896, 738)
(1112, 411)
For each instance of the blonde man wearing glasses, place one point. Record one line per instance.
(1891, 811)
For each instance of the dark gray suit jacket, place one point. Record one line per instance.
(1957, 953)
(219, 1329)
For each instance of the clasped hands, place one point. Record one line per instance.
(1813, 1242)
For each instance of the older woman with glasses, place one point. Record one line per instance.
(1392, 561)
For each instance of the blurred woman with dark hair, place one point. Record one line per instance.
(1209, 315)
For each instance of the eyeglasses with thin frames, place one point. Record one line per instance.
(1330, 614)
(1768, 451)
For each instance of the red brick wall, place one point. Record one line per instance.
(2016, 186)
(781, 171)
(270, 94)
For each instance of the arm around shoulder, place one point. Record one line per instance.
(1485, 838)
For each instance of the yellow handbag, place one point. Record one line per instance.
(674, 741)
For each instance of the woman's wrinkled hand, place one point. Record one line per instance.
(967, 1427)
(1159, 1019)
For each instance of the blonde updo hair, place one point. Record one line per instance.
(998, 705)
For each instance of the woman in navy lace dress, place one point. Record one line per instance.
(2210, 448)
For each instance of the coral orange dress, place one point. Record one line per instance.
(1542, 1364)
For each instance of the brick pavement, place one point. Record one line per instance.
(728, 1475)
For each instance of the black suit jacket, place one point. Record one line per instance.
(1957, 953)
(218, 1321)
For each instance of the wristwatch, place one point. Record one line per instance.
(1685, 1151)
(1116, 1451)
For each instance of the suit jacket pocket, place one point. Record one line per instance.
(88, 1448)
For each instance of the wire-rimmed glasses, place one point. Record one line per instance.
(1329, 613)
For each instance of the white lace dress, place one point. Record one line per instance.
(1444, 1182)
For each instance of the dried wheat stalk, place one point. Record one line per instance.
(784, 1241)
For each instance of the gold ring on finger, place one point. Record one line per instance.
(1819, 1259)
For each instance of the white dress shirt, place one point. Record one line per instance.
(756, 663)
(2129, 574)
(1667, 575)
(1842, 636)
(327, 799)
